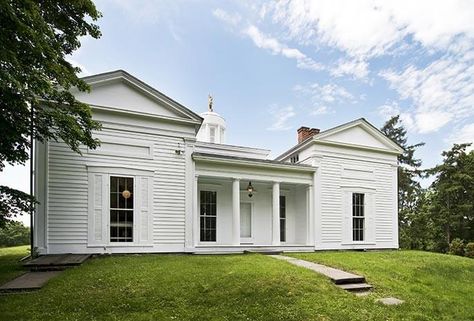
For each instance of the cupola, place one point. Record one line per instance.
(213, 126)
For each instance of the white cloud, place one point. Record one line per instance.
(84, 72)
(440, 92)
(266, 42)
(462, 135)
(230, 18)
(321, 110)
(326, 94)
(357, 69)
(368, 28)
(281, 117)
(261, 40)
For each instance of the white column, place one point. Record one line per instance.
(236, 212)
(310, 215)
(195, 211)
(276, 214)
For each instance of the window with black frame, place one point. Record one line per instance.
(208, 216)
(121, 209)
(358, 218)
(282, 218)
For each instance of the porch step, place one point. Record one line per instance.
(355, 287)
(264, 251)
(56, 262)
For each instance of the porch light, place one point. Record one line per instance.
(250, 189)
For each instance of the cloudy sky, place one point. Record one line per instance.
(275, 66)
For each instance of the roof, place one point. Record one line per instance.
(333, 130)
(144, 87)
(251, 162)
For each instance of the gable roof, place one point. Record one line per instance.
(323, 136)
(144, 88)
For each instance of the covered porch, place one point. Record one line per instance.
(244, 204)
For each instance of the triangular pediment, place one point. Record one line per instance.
(359, 133)
(121, 91)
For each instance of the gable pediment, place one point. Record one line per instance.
(359, 133)
(123, 92)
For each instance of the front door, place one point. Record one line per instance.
(246, 223)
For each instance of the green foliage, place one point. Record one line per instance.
(35, 81)
(470, 250)
(14, 233)
(457, 247)
(453, 196)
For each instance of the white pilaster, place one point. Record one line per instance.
(195, 211)
(310, 216)
(276, 214)
(236, 211)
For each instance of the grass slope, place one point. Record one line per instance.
(9, 265)
(234, 287)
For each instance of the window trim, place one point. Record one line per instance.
(134, 210)
(363, 218)
(213, 190)
(284, 219)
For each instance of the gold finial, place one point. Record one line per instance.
(210, 101)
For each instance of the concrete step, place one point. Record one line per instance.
(355, 287)
(56, 262)
(264, 251)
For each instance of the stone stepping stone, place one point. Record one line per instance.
(29, 281)
(56, 262)
(390, 301)
(353, 287)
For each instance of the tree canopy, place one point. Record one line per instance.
(36, 37)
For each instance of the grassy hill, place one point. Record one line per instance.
(246, 287)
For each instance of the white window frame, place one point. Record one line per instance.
(359, 217)
(120, 171)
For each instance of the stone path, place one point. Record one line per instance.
(29, 281)
(345, 280)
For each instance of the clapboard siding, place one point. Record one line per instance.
(68, 187)
(332, 182)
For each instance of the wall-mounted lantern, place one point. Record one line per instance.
(250, 189)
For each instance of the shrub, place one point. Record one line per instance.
(470, 250)
(457, 247)
(14, 233)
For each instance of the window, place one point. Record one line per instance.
(208, 216)
(212, 134)
(295, 159)
(121, 209)
(358, 216)
(282, 218)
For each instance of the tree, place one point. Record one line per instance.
(35, 78)
(453, 199)
(14, 233)
(409, 188)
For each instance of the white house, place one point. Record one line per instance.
(164, 180)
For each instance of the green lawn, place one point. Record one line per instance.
(9, 266)
(249, 287)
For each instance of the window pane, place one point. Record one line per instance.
(121, 220)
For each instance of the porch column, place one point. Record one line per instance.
(310, 216)
(276, 214)
(236, 212)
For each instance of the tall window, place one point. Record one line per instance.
(212, 134)
(208, 216)
(121, 209)
(358, 217)
(282, 218)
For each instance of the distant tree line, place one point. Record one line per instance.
(441, 217)
(14, 233)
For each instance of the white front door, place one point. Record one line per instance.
(246, 223)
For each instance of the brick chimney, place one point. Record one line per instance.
(306, 132)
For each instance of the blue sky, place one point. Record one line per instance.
(275, 66)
